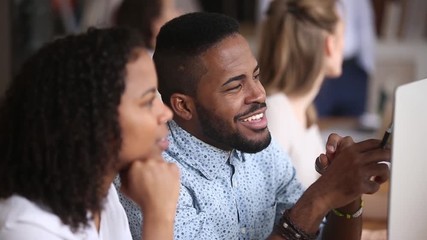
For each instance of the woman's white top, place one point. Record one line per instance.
(303, 144)
(21, 219)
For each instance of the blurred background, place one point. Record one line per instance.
(399, 52)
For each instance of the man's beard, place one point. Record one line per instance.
(218, 130)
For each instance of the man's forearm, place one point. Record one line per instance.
(308, 213)
(303, 218)
(344, 227)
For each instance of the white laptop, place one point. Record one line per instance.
(407, 213)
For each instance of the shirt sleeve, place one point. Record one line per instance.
(190, 219)
(113, 214)
(133, 212)
(289, 188)
(27, 231)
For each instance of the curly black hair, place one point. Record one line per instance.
(179, 45)
(59, 130)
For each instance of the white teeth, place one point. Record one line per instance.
(254, 117)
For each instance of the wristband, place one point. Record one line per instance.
(357, 214)
(288, 230)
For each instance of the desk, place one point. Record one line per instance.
(374, 224)
(375, 212)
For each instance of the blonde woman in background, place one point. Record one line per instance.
(301, 44)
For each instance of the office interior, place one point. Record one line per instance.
(401, 56)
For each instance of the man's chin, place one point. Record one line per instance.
(254, 146)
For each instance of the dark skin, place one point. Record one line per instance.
(230, 87)
(227, 89)
(360, 162)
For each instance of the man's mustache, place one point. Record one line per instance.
(254, 107)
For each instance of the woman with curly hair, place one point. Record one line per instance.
(83, 109)
(301, 43)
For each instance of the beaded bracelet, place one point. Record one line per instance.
(357, 214)
(288, 230)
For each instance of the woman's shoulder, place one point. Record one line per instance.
(21, 218)
(278, 104)
(17, 208)
(278, 97)
(114, 222)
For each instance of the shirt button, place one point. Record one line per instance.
(243, 230)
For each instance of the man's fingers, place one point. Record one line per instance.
(371, 187)
(336, 142)
(368, 145)
(377, 155)
(332, 143)
(378, 172)
(321, 163)
(323, 160)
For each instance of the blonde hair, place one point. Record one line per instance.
(292, 41)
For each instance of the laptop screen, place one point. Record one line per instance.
(407, 213)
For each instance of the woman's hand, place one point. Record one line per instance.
(154, 185)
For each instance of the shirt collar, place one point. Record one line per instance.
(191, 151)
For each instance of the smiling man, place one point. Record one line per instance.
(235, 182)
(223, 118)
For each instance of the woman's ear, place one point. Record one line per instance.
(333, 55)
(329, 45)
(182, 105)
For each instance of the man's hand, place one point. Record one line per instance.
(333, 142)
(352, 169)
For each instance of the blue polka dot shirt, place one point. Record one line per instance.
(225, 195)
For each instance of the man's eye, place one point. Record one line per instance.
(235, 88)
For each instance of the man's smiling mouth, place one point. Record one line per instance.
(255, 117)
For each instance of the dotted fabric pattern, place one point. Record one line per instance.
(225, 195)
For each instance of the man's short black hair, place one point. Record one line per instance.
(180, 43)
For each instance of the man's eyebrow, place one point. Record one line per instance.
(239, 77)
(236, 78)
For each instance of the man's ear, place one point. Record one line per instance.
(182, 105)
